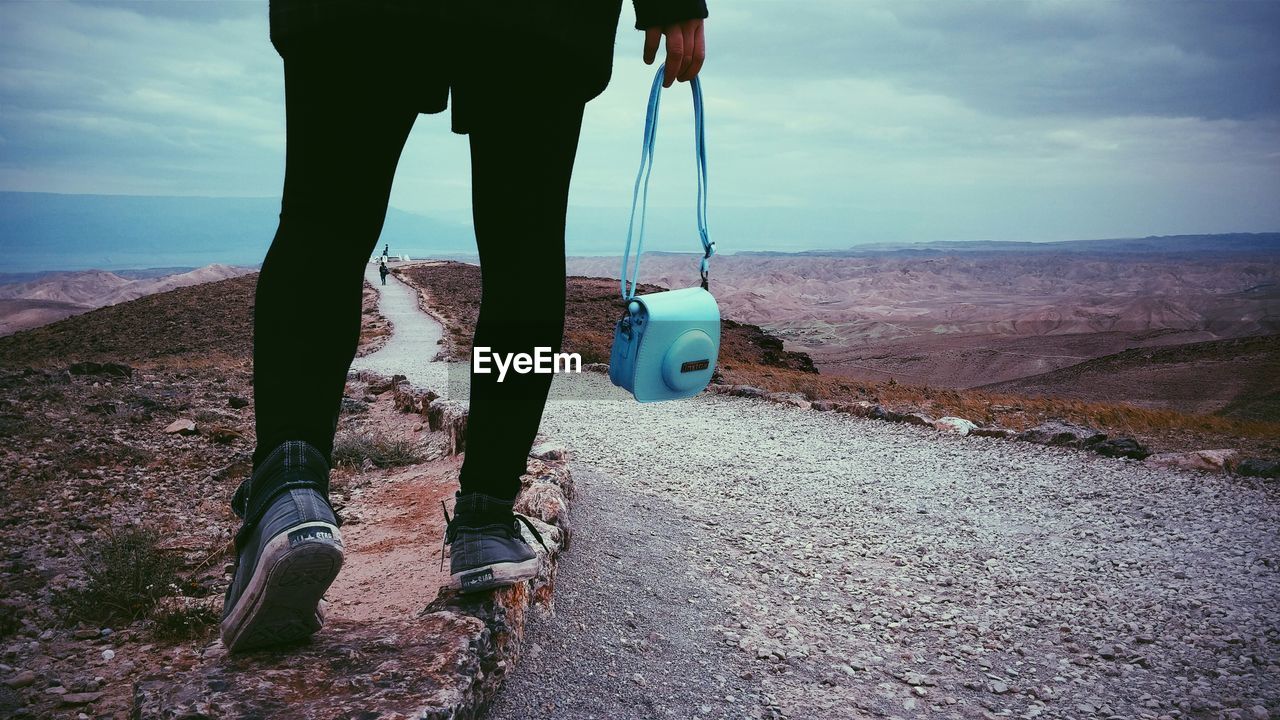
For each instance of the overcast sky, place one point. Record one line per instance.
(830, 122)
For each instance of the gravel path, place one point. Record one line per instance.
(629, 638)
(415, 336)
(867, 569)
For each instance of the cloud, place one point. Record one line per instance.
(150, 100)
(1070, 57)
(855, 121)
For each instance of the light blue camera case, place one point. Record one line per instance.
(667, 344)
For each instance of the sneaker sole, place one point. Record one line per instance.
(282, 600)
(495, 575)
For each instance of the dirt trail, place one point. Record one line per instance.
(391, 532)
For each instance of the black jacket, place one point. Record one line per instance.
(573, 39)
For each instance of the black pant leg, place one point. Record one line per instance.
(520, 189)
(346, 126)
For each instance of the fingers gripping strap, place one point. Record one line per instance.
(640, 194)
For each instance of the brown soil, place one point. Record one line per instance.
(85, 454)
(210, 324)
(965, 361)
(1245, 373)
(394, 547)
(393, 526)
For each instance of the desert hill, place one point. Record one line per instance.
(964, 319)
(754, 358)
(1245, 374)
(21, 314)
(194, 321)
(1214, 244)
(54, 296)
(117, 516)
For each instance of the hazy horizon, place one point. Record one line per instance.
(49, 231)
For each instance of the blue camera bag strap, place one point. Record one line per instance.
(640, 195)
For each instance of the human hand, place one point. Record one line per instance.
(686, 49)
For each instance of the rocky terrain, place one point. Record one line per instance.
(815, 560)
(1239, 378)
(126, 429)
(53, 296)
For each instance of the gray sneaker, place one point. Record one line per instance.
(486, 546)
(289, 551)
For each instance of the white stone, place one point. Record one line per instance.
(956, 425)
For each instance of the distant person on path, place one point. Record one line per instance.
(386, 250)
(383, 271)
(357, 73)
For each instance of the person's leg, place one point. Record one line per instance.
(345, 131)
(520, 189)
(521, 166)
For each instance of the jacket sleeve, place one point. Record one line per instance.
(664, 12)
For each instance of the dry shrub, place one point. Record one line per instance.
(352, 449)
(178, 621)
(127, 573)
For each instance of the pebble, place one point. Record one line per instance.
(108, 654)
(80, 698)
(22, 679)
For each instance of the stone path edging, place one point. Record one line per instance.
(1053, 432)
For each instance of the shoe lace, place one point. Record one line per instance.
(512, 529)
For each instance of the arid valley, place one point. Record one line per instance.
(1034, 318)
(1187, 323)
